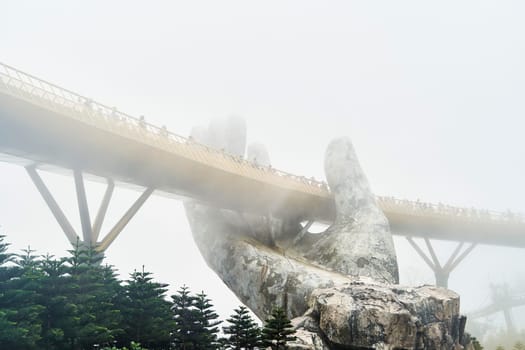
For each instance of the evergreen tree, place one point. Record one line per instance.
(108, 299)
(86, 291)
(17, 316)
(278, 330)
(185, 332)
(195, 322)
(7, 328)
(58, 316)
(146, 312)
(5, 256)
(206, 326)
(242, 331)
(74, 303)
(19, 302)
(26, 297)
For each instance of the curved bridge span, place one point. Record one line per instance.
(48, 127)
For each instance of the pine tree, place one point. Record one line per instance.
(184, 334)
(108, 299)
(15, 332)
(59, 312)
(206, 323)
(278, 330)
(86, 291)
(146, 312)
(20, 325)
(5, 256)
(26, 296)
(195, 322)
(242, 332)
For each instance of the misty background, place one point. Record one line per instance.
(431, 94)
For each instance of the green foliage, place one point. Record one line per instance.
(19, 309)
(147, 315)
(195, 322)
(76, 303)
(242, 331)
(90, 293)
(5, 256)
(206, 323)
(185, 317)
(59, 315)
(278, 330)
(133, 346)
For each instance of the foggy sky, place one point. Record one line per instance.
(431, 94)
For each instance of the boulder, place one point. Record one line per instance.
(368, 315)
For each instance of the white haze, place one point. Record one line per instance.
(431, 93)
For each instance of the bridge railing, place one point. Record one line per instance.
(440, 210)
(71, 104)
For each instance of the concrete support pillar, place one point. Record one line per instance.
(53, 205)
(101, 214)
(90, 232)
(119, 226)
(83, 210)
(441, 272)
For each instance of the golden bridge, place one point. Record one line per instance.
(44, 126)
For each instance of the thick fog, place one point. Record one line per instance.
(431, 94)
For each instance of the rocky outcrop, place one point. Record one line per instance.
(364, 314)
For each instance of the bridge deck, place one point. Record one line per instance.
(51, 126)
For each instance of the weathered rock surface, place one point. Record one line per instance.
(359, 242)
(339, 285)
(260, 276)
(307, 340)
(308, 333)
(364, 314)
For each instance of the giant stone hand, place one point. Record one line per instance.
(270, 262)
(240, 246)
